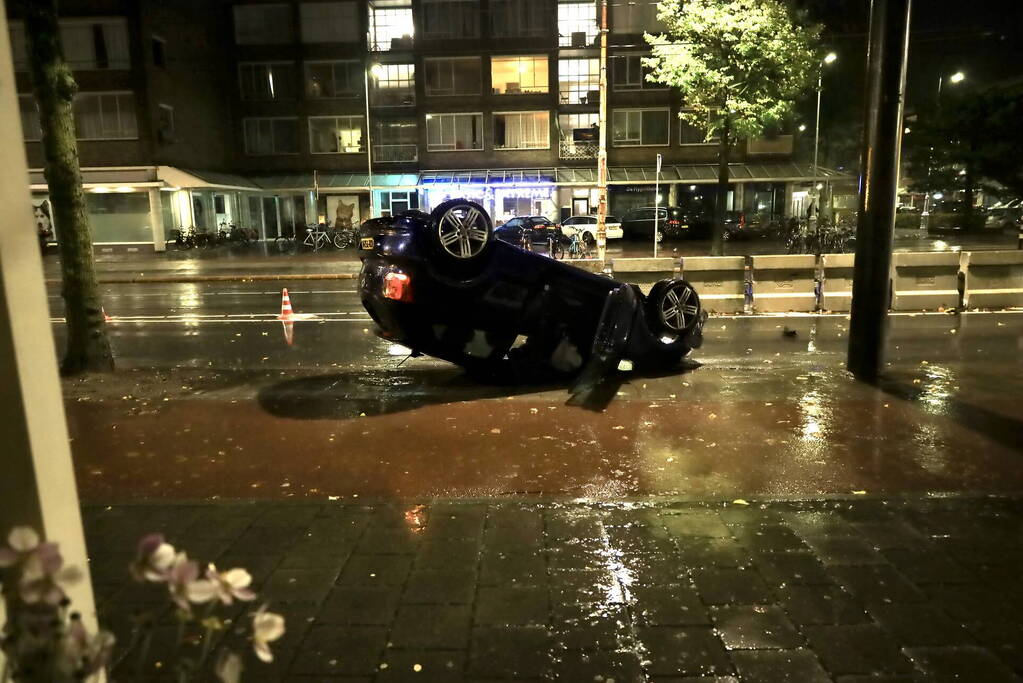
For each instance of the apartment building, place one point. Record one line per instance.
(276, 114)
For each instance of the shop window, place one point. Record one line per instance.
(390, 27)
(30, 126)
(694, 135)
(577, 24)
(519, 18)
(329, 22)
(336, 134)
(394, 84)
(332, 79)
(519, 75)
(579, 81)
(522, 130)
(395, 140)
(105, 116)
(393, 203)
(639, 127)
(268, 136)
(266, 80)
(263, 24)
(450, 18)
(119, 217)
(454, 132)
(628, 73)
(452, 76)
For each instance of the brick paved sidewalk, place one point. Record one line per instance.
(848, 591)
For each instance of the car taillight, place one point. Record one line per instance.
(672, 221)
(398, 287)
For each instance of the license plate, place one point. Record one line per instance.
(683, 227)
(366, 243)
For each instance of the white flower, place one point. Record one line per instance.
(228, 667)
(266, 628)
(154, 559)
(184, 583)
(231, 585)
(22, 540)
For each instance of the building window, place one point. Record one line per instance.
(395, 140)
(635, 16)
(165, 123)
(694, 135)
(390, 27)
(393, 203)
(336, 134)
(519, 75)
(577, 24)
(329, 22)
(325, 80)
(90, 44)
(105, 116)
(579, 81)
(266, 81)
(522, 130)
(453, 76)
(263, 24)
(454, 132)
(30, 126)
(394, 85)
(451, 18)
(628, 73)
(519, 18)
(265, 136)
(580, 135)
(159, 47)
(639, 127)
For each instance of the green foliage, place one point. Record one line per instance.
(751, 59)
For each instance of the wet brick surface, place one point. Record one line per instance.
(908, 589)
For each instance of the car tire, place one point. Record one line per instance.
(461, 233)
(588, 239)
(672, 307)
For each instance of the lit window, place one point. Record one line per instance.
(452, 76)
(390, 27)
(266, 136)
(522, 130)
(628, 73)
(30, 126)
(519, 75)
(333, 79)
(450, 18)
(694, 135)
(579, 135)
(519, 18)
(105, 116)
(263, 24)
(266, 81)
(454, 132)
(336, 134)
(579, 81)
(329, 22)
(577, 24)
(90, 44)
(394, 84)
(395, 140)
(639, 127)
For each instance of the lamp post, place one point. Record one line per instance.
(925, 215)
(377, 71)
(814, 192)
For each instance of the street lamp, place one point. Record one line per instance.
(815, 200)
(925, 216)
(377, 70)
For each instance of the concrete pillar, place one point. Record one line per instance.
(788, 200)
(37, 484)
(740, 197)
(156, 220)
(672, 194)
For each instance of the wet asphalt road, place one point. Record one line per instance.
(211, 403)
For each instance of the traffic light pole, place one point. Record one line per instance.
(602, 149)
(879, 175)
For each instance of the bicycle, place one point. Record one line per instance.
(188, 238)
(343, 238)
(555, 249)
(578, 247)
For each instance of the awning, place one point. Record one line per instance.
(302, 182)
(739, 173)
(493, 177)
(128, 178)
(197, 180)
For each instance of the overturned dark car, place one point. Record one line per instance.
(443, 285)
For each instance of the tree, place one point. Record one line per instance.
(87, 347)
(740, 65)
(973, 140)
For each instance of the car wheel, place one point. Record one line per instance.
(673, 307)
(588, 239)
(461, 230)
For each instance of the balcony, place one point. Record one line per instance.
(395, 153)
(393, 97)
(578, 150)
(776, 145)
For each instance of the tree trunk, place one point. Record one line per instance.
(88, 348)
(717, 242)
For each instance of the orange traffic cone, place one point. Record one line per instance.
(286, 313)
(106, 318)
(289, 332)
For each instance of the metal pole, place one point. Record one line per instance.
(888, 46)
(657, 201)
(369, 142)
(602, 148)
(815, 196)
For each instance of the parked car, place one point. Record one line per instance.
(441, 284)
(673, 222)
(540, 229)
(1005, 216)
(949, 215)
(586, 226)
